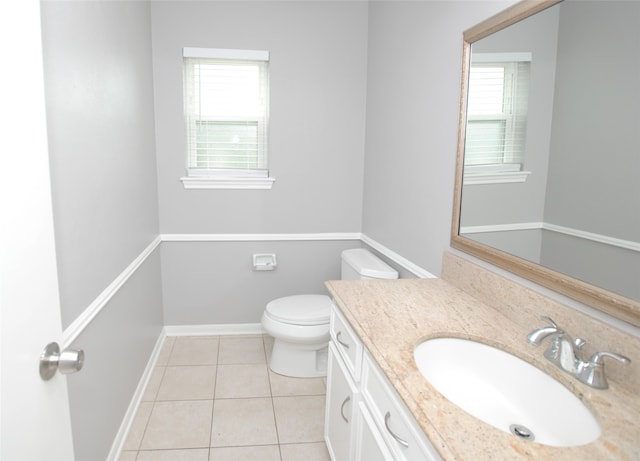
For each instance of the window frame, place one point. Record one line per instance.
(511, 170)
(226, 178)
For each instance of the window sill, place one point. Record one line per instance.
(495, 178)
(190, 182)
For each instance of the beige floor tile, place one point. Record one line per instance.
(128, 456)
(254, 453)
(193, 454)
(165, 351)
(151, 391)
(300, 419)
(188, 383)
(242, 422)
(184, 424)
(243, 349)
(268, 341)
(305, 451)
(242, 381)
(285, 385)
(195, 350)
(138, 426)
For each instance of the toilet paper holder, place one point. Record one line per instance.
(264, 262)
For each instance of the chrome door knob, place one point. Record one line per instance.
(52, 360)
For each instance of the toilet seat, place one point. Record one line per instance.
(300, 309)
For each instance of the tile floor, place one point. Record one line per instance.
(214, 398)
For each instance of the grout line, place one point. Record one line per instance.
(273, 408)
(215, 391)
(155, 400)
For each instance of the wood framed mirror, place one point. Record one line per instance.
(542, 207)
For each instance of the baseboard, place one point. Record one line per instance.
(136, 399)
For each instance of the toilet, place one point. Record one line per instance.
(300, 323)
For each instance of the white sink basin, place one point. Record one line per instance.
(506, 392)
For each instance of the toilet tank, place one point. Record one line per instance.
(359, 263)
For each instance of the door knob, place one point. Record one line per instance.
(52, 360)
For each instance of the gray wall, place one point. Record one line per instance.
(318, 53)
(117, 345)
(595, 166)
(413, 96)
(317, 113)
(98, 79)
(614, 268)
(100, 121)
(593, 180)
(214, 282)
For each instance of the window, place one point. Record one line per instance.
(226, 99)
(497, 115)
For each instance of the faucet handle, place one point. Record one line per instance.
(598, 358)
(593, 371)
(551, 321)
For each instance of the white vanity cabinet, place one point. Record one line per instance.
(365, 418)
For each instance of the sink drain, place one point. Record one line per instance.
(521, 431)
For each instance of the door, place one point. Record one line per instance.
(35, 422)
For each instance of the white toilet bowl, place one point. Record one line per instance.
(300, 326)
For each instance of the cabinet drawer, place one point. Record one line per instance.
(347, 343)
(402, 434)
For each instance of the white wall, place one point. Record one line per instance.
(98, 86)
(413, 96)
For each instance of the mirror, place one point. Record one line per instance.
(548, 168)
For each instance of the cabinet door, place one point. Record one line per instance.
(341, 396)
(369, 444)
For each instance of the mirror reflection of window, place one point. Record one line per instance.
(497, 112)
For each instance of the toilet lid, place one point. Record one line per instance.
(301, 309)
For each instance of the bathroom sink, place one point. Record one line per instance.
(506, 392)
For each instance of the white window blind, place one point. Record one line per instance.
(226, 95)
(497, 111)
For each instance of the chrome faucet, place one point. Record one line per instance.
(566, 355)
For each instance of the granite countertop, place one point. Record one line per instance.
(393, 316)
